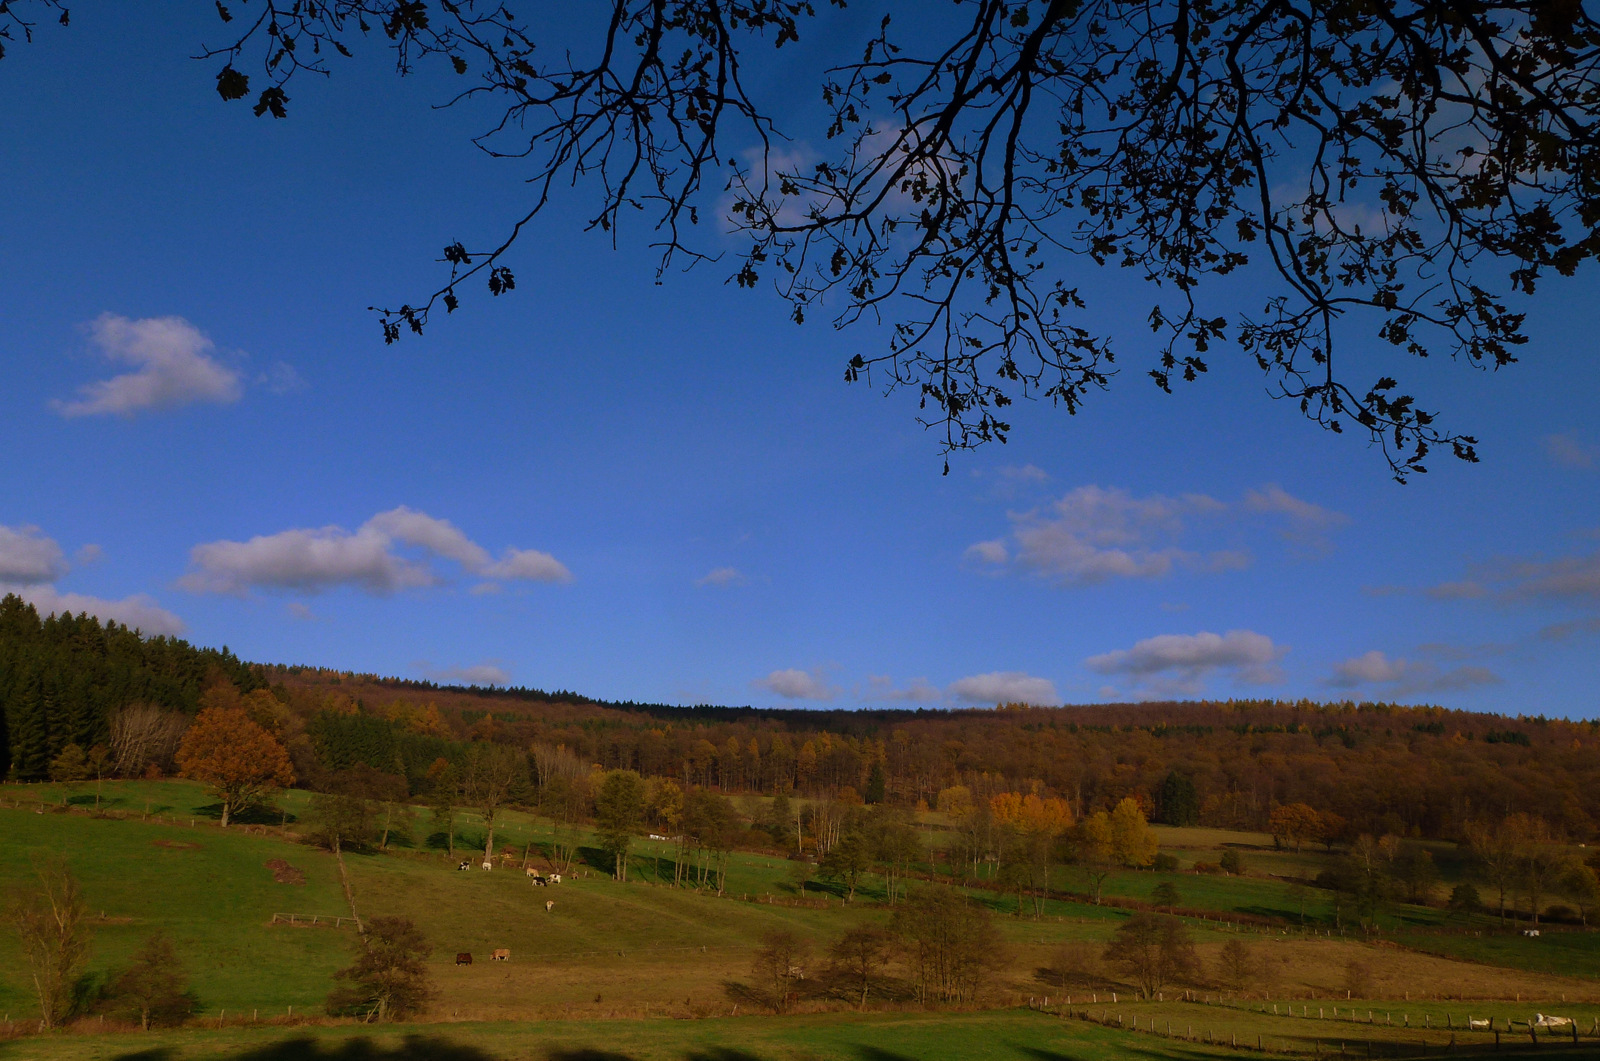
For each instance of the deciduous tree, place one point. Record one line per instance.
(778, 964)
(860, 955)
(389, 978)
(618, 813)
(50, 918)
(238, 760)
(1153, 949)
(154, 988)
(949, 942)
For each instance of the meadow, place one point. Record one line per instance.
(643, 970)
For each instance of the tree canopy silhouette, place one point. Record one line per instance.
(1313, 182)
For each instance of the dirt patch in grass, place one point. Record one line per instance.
(176, 845)
(283, 873)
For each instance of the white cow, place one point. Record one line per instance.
(1474, 1024)
(487, 864)
(555, 878)
(1545, 1023)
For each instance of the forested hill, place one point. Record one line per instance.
(62, 677)
(1375, 767)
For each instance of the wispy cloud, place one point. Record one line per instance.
(1564, 580)
(1095, 534)
(916, 691)
(488, 673)
(316, 559)
(173, 367)
(1403, 676)
(721, 577)
(794, 684)
(1568, 451)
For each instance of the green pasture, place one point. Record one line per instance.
(210, 890)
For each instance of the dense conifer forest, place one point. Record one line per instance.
(1365, 767)
(62, 677)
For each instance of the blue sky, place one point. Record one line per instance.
(664, 491)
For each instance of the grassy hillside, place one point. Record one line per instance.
(644, 952)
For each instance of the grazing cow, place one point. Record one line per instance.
(532, 871)
(538, 882)
(549, 904)
(466, 863)
(555, 878)
(1530, 932)
(488, 864)
(501, 954)
(463, 958)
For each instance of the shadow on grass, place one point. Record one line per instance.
(263, 814)
(361, 1048)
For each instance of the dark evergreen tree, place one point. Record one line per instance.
(875, 784)
(62, 677)
(1179, 802)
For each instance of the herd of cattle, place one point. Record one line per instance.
(540, 880)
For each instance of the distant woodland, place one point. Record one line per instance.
(105, 701)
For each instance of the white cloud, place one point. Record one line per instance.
(1567, 451)
(473, 674)
(528, 565)
(1567, 579)
(916, 691)
(1027, 473)
(1179, 663)
(1309, 523)
(721, 577)
(1093, 534)
(300, 611)
(28, 557)
(311, 560)
(1406, 676)
(438, 536)
(1006, 687)
(173, 368)
(792, 684)
(990, 552)
(138, 611)
(281, 378)
(88, 554)
(306, 560)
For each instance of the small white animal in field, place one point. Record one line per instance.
(555, 878)
(487, 864)
(1475, 1024)
(549, 904)
(500, 954)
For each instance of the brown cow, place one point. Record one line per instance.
(501, 954)
(463, 958)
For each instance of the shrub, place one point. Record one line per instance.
(1164, 863)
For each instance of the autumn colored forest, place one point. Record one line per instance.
(121, 703)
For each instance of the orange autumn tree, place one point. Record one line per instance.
(237, 759)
